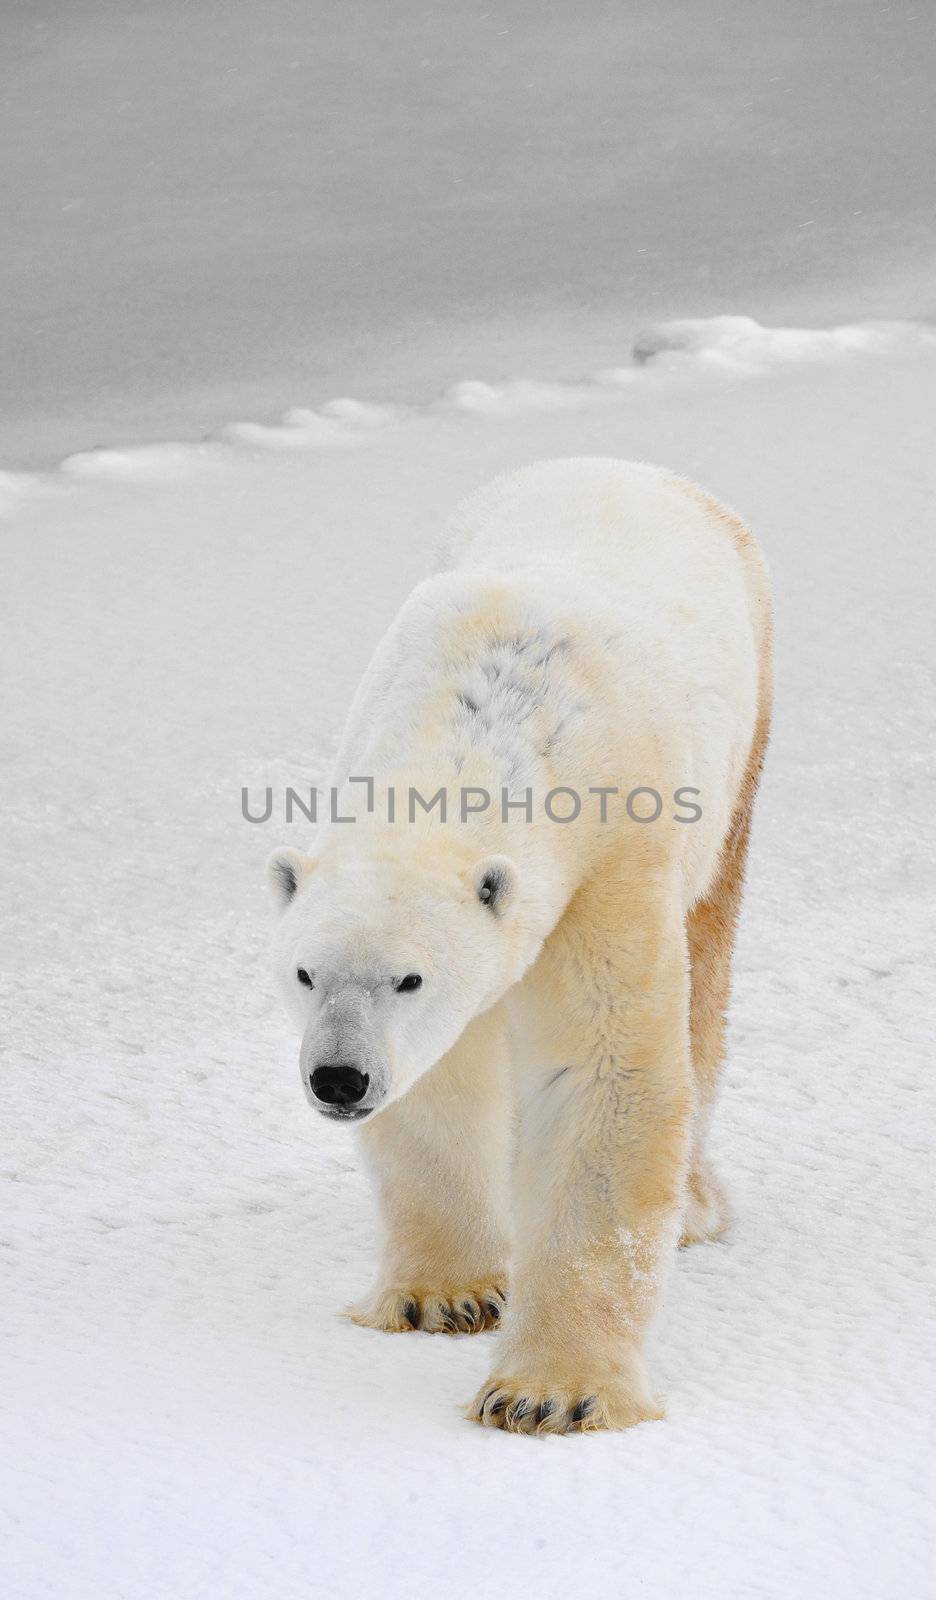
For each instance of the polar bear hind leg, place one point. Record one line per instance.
(711, 929)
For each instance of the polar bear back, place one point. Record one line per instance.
(678, 576)
(602, 518)
(680, 573)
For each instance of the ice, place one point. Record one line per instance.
(141, 464)
(504, 399)
(742, 343)
(353, 413)
(219, 211)
(339, 422)
(15, 487)
(184, 1411)
(310, 433)
(735, 346)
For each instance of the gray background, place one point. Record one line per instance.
(215, 209)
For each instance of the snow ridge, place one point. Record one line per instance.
(735, 345)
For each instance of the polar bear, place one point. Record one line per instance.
(521, 1003)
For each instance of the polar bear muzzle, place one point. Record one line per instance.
(341, 1086)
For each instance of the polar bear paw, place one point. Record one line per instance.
(473, 1308)
(708, 1214)
(537, 1408)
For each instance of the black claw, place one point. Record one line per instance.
(499, 1405)
(485, 1401)
(411, 1313)
(584, 1408)
(546, 1410)
(493, 1310)
(520, 1410)
(448, 1321)
(469, 1312)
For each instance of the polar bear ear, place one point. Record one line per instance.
(495, 883)
(286, 869)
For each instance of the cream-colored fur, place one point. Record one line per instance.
(598, 624)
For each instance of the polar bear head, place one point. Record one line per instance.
(383, 961)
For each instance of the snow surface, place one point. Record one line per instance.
(212, 209)
(184, 1412)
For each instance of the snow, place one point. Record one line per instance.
(215, 211)
(742, 343)
(738, 345)
(184, 1412)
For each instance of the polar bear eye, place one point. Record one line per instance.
(409, 983)
(304, 978)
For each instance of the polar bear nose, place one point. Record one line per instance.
(339, 1085)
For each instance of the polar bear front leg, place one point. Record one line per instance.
(605, 1101)
(440, 1158)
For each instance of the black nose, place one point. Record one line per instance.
(339, 1086)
